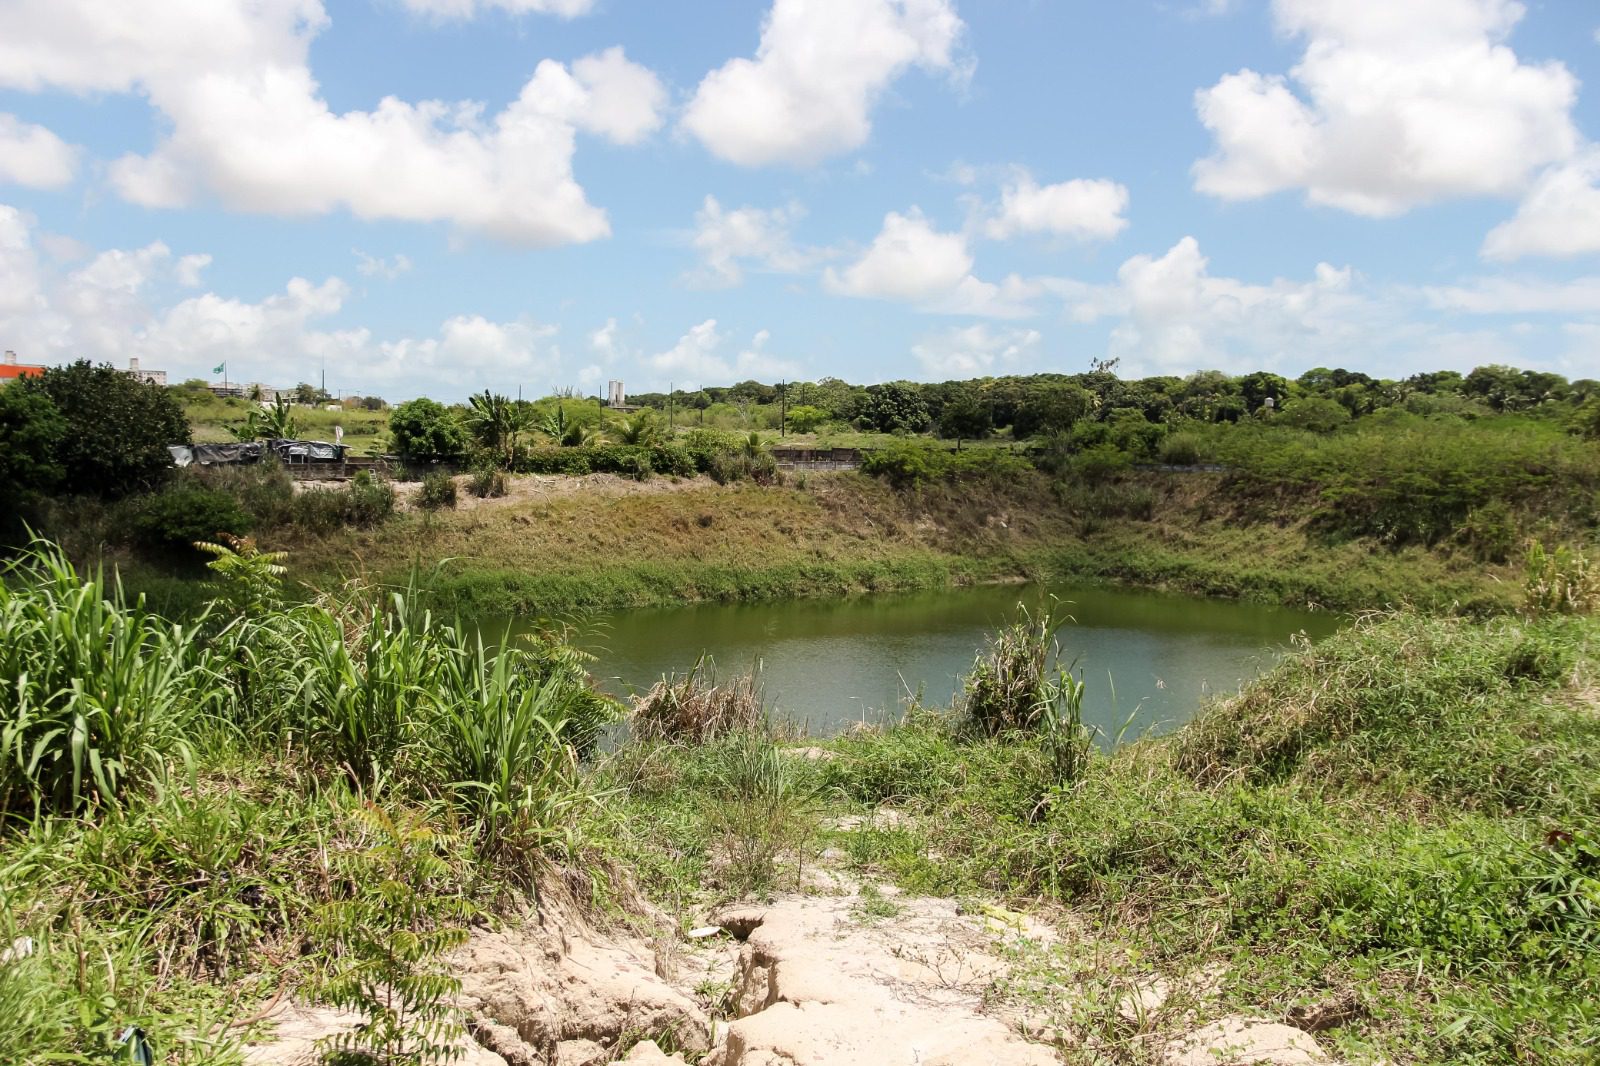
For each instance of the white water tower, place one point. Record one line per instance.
(615, 396)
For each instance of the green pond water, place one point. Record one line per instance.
(1149, 660)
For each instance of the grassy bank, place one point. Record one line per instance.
(1388, 841)
(555, 544)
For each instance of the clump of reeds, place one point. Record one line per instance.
(695, 707)
(1010, 686)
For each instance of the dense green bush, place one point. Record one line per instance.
(438, 491)
(176, 518)
(425, 431)
(911, 465)
(487, 480)
(117, 428)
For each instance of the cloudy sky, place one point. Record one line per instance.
(437, 196)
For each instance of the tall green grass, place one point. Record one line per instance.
(99, 693)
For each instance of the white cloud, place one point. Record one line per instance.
(1176, 317)
(974, 351)
(1510, 296)
(1082, 209)
(604, 339)
(912, 262)
(695, 358)
(1391, 106)
(190, 268)
(33, 156)
(386, 267)
(247, 124)
(465, 9)
(695, 354)
(820, 68)
(1560, 216)
(908, 260)
(113, 308)
(726, 240)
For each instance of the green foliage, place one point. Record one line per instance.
(907, 465)
(425, 431)
(1009, 687)
(249, 581)
(761, 811)
(100, 694)
(896, 407)
(639, 428)
(438, 491)
(117, 427)
(805, 418)
(966, 418)
(31, 432)
(496, 422)
(1180, 449)
(175, 518)
(1051, 407)
(275, 422)
(392, 973)
(1315, 414)
(487, 481)
(1562, 581)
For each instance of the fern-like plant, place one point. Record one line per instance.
(392, 935)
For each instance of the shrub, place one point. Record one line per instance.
(118, 427)
(673, 460)
(99, 693)
(1099, 463)
(728, 467)
(487, 480)
(1009, 687)
(438, 491)
(425, 431)
(369, 501)
(695, 708)
(1560, 582)
(1180, 449)
(177, 517)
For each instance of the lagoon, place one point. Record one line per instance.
(1149, 660)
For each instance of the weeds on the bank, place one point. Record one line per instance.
(1563, 581)
(391, 935)
(761, 812)
(209, 780)
(100, 693)
(1009, 686)
(696, 707)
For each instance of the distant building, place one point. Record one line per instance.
(154, 377)
(615, 396)
(10, 369)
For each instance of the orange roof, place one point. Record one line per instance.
(19, 370)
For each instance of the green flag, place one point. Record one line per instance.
(219, 368)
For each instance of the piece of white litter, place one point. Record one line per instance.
(20, 948)
(703, 932)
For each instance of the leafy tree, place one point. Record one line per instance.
(1050, 407)
(31, 430)
(118, 427)
(496, 421)
(424, 430)
(1258, 386)
(896, 407)
(805, 418)
(1316, 413)
(965, 418)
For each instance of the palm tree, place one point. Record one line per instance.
(496, 421)
(638, 429)
(274, 422)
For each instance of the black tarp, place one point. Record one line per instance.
(253, 451)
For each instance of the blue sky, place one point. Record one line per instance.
(437, 196)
